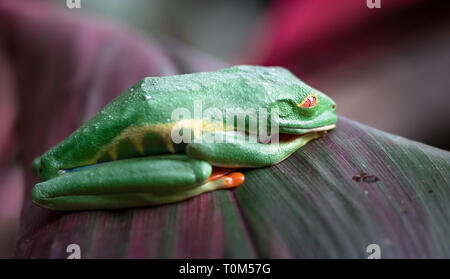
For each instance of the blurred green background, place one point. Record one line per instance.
(220, 28)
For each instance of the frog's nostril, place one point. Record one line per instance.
(333, 106)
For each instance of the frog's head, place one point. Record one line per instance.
(311, 111)
(301, 109)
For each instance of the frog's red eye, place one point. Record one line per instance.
(308, 102)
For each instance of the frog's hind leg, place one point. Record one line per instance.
(133, 182)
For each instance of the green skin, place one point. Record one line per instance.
(123, 157)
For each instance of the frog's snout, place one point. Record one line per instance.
(36, 167)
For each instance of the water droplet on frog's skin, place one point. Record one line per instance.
(148, 97)
(132, 89)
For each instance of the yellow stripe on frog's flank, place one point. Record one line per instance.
(135, 135)
(138, 143)
(112, 153)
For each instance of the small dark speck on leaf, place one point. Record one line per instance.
(364, 177)
(357, 178)
(370, 179)
(430, 191)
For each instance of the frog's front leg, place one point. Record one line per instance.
(133, 182)
(236, 150)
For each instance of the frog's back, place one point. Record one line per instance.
(238, 86)
(229, 77)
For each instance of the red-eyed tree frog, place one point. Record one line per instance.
(130, 153)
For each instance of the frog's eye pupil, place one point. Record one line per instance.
(309, 102)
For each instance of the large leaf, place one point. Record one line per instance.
(317, 203)
(310, 205)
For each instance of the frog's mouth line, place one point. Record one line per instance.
(298, 133)
(323, 128)
(302, 131)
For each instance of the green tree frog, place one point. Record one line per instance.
(126, 155)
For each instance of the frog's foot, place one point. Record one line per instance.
(225, 178)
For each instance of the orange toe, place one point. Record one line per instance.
(220, 172)
(234, 179)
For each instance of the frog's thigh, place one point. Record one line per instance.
(241, 153)
(127, 183)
